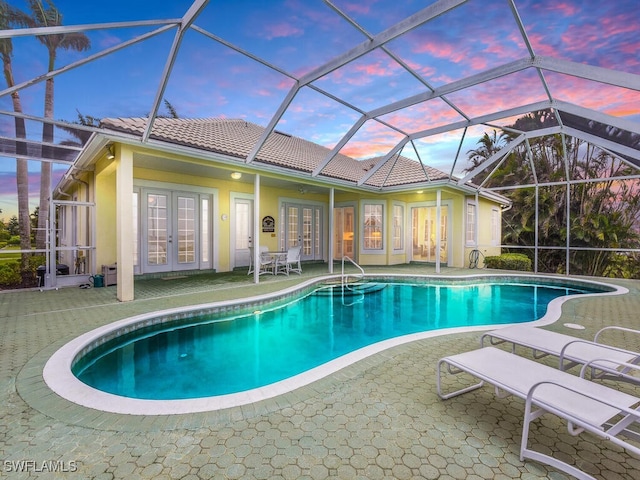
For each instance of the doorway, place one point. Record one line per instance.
(172, 232)
(302, 225)
(344, 232)
(242, 228)
(424, 232)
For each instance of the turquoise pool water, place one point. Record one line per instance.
(207, 357)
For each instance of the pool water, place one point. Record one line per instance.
(214, 357)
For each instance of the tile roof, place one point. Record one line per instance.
(236, 138)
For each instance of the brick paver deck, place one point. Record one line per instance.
(379, 418)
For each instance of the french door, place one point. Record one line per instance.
(424, 231)
(302, 225)
(171, 231)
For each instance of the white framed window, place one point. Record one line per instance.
(372, 227)
(398, 228)
(471, 224)
(495, 227)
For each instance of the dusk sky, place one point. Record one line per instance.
(297, 36)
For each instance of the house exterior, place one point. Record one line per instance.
(198, 193)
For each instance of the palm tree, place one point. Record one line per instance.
(8, 17)
(46, 14)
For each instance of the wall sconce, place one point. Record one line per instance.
(110, 154)
(236, 175)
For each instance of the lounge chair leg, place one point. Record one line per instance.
(451, 370)
(526, 453)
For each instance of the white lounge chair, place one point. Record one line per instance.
(571, 351)
(585, 405)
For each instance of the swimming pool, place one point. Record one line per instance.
(239, 353)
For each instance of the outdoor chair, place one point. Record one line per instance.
(584, 404)
(292, 262)
(266, 263)
(571, 351)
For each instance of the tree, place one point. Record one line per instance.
(602, 215)
(10, 16)
(46, 14)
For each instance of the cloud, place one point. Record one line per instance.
(282, 30)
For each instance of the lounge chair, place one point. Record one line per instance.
(571, 351)
(292, 262)
(585, 405)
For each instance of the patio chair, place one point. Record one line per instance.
(266, 263)
(585, 405)
(292, 262)
(571, 351)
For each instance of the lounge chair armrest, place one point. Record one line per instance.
(577, 425)
(614, 327)
(612, 368)
(628, 412)
(563, 352)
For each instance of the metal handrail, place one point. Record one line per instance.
(343, 277)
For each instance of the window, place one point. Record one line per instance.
(398, 230)
(471, 224)
(373, 227)
(495, 227)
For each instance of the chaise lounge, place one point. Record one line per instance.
(571, 351)
(585, 405)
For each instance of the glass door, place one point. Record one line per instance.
(303, 226)
(343, 237)
(171, 231)
(243, 231)
(423, 234)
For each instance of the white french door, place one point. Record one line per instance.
(302, 225)
(171, 231)
(424, 232)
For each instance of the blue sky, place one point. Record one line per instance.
(297, 36)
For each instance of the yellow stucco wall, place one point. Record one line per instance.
(224, 190)
(105, 198)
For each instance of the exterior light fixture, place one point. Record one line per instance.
(110, 154)
(236, 175)
(420, 191)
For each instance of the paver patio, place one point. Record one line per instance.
(379, 418)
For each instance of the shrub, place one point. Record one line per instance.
(15, 240)
(509, 261)
(10, 274)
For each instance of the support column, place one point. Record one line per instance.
(256, 229)
(332, 227)
(438, 229)
(124, 223)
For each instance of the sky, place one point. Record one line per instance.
(294, 37)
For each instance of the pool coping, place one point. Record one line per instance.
(60, 380)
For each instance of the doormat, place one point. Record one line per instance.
(175, 277)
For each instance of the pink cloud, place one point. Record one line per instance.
(357, 8)
(282, 30)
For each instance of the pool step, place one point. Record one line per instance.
(352, 289)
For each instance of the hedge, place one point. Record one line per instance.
(509, 261)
